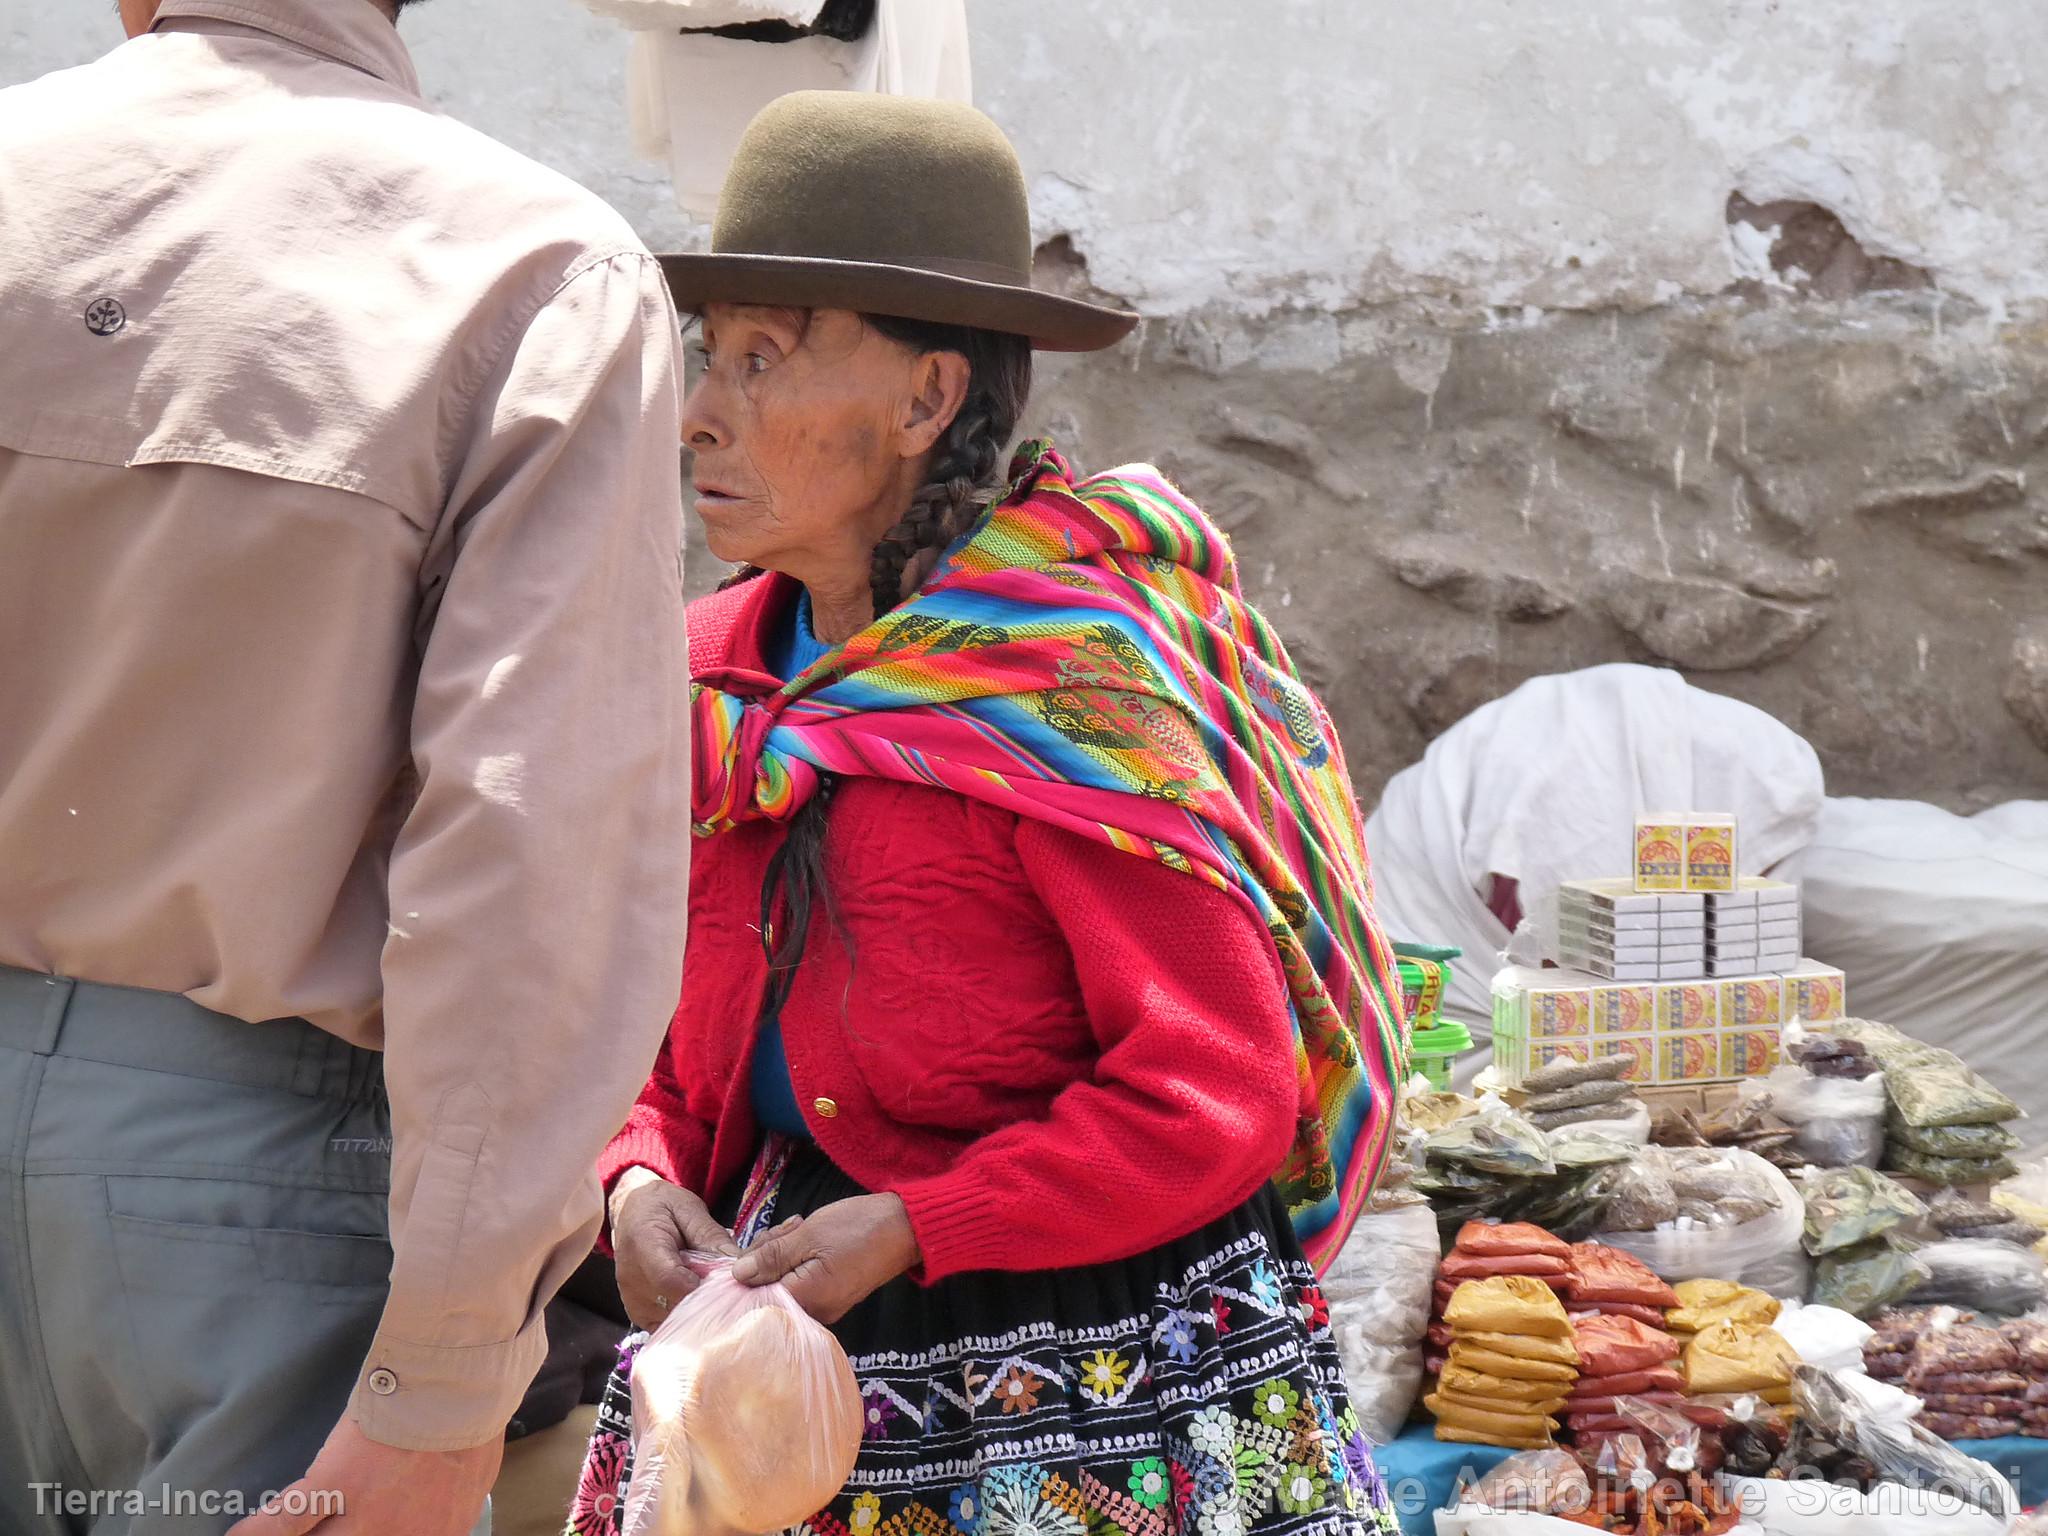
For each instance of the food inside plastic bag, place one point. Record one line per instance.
(1719, 1186)
(1848, 1206)
(1506, 1428)
(1538, 1482)
(1985, 1277)
(1579, 1096)
(1863, 1281)
(1508, 1304)
(1825, 1336)
(1379, 1292)
(1672, 1439)
(1620, 1346)
(746, 1415)
(1433, 1111)
(1551, 1351)
(1703, 1303)
(1952, 1211)
(1836, 1108)
(1511, 1239)
(1607, 1275)
(1569, 1074)
(2029, 1336)
(1477, 1357)
(1639, 1196)
(1496, 1141)
(1900, 1158)
(1977, 1141)
(1732, 1358)
(1896, 1449)
(1463, 1381)
(1763, 1252)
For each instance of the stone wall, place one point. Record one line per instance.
(1508, 340)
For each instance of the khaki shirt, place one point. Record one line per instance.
(341, 623)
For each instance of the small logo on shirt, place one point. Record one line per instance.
(103, 317)
(371, 1144)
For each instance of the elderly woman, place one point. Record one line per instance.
(1035, 1027)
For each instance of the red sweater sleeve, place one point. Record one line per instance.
(1192, 1102)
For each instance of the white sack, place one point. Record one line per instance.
(1544, 786)
(1941, 923)
(1379, 1291)
(690, 97)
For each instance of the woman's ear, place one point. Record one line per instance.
(939, 389)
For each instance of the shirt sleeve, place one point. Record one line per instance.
(661, 1134)
(538, 886)
(1191, 1105)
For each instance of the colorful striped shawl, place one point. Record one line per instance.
(1084, 657)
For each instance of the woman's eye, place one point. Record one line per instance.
(756, 363)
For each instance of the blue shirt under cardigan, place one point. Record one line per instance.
(789, 652)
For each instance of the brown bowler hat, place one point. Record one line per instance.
(888, 205)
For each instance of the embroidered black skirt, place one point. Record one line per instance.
(1193, 1389)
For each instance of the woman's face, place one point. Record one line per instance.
(811, 431)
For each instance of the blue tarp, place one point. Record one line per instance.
(1425, 1476)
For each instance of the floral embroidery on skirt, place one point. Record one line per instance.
(1194, 1389)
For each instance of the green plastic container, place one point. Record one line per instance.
(1434, 1042)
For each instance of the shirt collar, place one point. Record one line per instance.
(353, 32)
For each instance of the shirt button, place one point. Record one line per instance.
(383, 1382)
(826, 1108)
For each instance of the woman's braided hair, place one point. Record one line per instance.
(965, 477)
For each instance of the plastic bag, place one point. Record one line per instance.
(1570, 1074)
(1496, 1141)
(1536, 1482)
(1703, 1303)
(1672, 1438)
(1626, 1121)
(1764, 1252)
(1864, 1281)
(1901, 1451)
(1620, 1346)
(1846, 1207)
(1951, 1211)
(1839, 1121)
(1973, 1141)
(1508, 1304)
(1900, 1158)
(1379, 1293)
(1824, 1336)
(746, 1415)
(1511, 1239)
(1639, 1196)
(1733, 1358)
(1604, 1274)
(1985, 1277)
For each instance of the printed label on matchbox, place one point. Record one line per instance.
(1624, 1010)
(1750, 1052)
(1688, 1058)
(1710, 858)
(1688, 1005)
(1560, 1015)
(1819, 999)
(1547, 1053)
(1641, 1054)
(1660, 856)
(1752, 1004)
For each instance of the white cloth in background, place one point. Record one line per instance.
(1545, 785)
(1941, 923)
(690, 96)
(672, 15)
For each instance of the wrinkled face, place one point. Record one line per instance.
(810, 430)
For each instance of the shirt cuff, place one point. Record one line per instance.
(445, 1397)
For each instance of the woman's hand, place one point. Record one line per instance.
(837, 1257)
(653, 1225)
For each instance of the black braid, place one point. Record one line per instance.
(964, 478)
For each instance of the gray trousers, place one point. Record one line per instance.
(193, 1255)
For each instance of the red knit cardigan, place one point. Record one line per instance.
(1054, 1052)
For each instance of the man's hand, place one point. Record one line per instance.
(357, 1487)
(837, 1257)
(653, 1225)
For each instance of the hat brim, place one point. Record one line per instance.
(1049, 321)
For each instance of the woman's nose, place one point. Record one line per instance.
(703, 422)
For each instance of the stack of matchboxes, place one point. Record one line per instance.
(1612, 930)
(1690, 969)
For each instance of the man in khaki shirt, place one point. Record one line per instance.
(343, 751)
